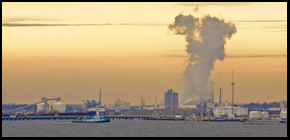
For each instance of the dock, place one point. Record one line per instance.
(126, 117)
(214, 120)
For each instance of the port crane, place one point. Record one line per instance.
(44, 99)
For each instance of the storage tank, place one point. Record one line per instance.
(283, 113)
(40, 107)
(264, 114)
(59, 106)
(255, 114)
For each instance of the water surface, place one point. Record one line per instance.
(140, 128)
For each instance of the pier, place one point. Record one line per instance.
(41, 118)
(143, 117)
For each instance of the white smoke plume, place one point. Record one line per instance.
(206, 38)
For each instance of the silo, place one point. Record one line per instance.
(59, 106)
(41, 107)
(264, 114)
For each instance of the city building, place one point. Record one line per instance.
(170, 100)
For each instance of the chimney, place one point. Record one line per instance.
(220, 95)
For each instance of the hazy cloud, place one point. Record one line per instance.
(275, 28)
(260, 21)
(215, 3)
(252, 56)
(195, 9)
(140, 24)
(34, 24)
(235, 56)
(28, 18)
(29, 24)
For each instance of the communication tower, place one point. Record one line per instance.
(233, 84)
(142, 102)
(100, 103)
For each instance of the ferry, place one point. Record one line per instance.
(93, 119)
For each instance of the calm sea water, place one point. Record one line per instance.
(140, 128)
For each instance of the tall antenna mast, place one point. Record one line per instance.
(233, 84)
(155, 101)
(141, 102)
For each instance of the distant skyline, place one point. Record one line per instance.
(71, 49)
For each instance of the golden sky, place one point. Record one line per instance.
(70, 50)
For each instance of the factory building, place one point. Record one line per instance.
(227, 110)
(258, 115)
(238, 111)
(109, 106)
(187, 106)
(274, 112)
(120, 105)
(170, 100)
(124, 105)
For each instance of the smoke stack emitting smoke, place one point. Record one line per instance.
(206, 38)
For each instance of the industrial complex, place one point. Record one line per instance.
(193, 108)
(207, 108)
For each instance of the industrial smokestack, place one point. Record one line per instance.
(220, 95)
(212, 97)
(205, 39)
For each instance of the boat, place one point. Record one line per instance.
(93, 119)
